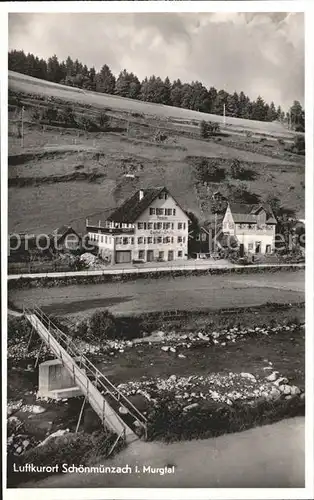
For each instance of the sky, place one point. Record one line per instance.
(259, 53)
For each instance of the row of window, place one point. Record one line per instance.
(125, 240)
(162, 211)
(160, 225)
(161, 254)
(201, 237)
(100, 237)
(256, 227)
(230, 225)
(141, 240)
(258, 247)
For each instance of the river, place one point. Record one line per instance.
(271, 456)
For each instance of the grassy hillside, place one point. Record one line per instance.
(62, 175)
(28, 84)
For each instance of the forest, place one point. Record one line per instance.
(192, 95)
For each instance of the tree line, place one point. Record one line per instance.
(194, 95)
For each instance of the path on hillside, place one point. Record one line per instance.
(271, 456)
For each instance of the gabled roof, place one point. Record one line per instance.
(242, 208)
(133, 207)
(245, 213)
(62, 231)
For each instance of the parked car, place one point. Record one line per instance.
(138, 261)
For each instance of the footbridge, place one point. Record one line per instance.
(103, 396)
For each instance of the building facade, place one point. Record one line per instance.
(201, 242)
(150, 226)
(253, 226)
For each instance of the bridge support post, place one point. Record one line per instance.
(38, 354)
(30, 339)
(55, 381)
(80, 416)
(103, 410)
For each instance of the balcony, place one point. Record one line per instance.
(268, 230)
(110, 227)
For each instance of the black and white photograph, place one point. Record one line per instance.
(156, 245)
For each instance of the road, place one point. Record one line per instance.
(147, 268)
(272, 456)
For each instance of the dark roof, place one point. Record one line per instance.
(133, 207)
(62, 231)
(210, 221)
(248, 218)
(247, 213)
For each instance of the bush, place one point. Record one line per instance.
(19, 330)
(101, 325)
(209, 171)
(77, 264)
(299, 145)
(66, 116)
(77, 449)
(86, 123)
(209, 128)
(242, 195)
(50, 114)
(300, 128)
(240, 173)
(103, 120)
(36, 115)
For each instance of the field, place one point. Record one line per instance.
(62, 175)
(144, 295)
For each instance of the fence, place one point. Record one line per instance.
(36, 267)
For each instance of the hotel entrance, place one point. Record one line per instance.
(170, 254)
(150, 255)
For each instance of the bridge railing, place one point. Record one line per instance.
(93, 374)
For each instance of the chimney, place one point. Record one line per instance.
(141, 194)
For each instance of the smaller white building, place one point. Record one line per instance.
(253, 227)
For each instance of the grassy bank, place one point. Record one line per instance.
(200, 320)
(167, 422)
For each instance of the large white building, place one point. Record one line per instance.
(253, 226)
(149, 226)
